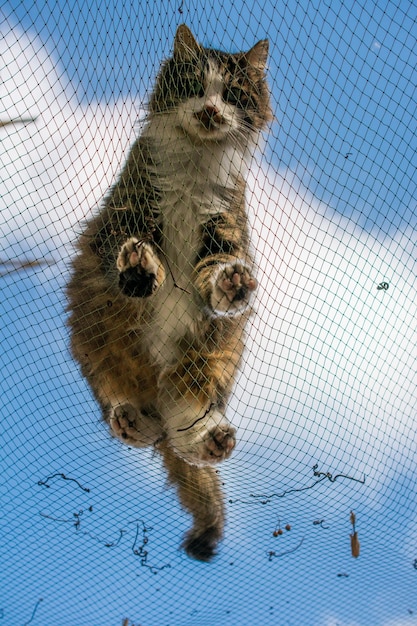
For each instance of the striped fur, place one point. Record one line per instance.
(163, 280)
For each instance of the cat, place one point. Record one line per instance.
(163, 279)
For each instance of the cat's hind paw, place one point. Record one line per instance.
(208, 441)
(219, 443)
(233, 284)
(133, 428)
(140, 270)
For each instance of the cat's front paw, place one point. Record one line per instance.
(141, 271)
(233, 285)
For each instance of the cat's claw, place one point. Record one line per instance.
(141, 271)
(232, 288)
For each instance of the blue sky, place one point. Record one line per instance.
(331, 363)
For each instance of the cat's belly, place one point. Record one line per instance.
(175, 310)
(175, 314)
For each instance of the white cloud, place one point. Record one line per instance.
(56, 169)
(332, 358)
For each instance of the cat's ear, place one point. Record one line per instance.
(258, 55)
(185, 45)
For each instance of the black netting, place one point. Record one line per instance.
(325, 405)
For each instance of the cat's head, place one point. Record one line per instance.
(213, 95)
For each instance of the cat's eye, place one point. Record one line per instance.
(232, 95)
(196, 88)
(190, 87)
(187, 81)
(238, 97)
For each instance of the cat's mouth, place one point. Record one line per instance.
(210, 118)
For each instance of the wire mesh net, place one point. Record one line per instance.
(324, 404)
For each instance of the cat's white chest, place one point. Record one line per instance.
(181, 227)
(175, 309)
(192, 187)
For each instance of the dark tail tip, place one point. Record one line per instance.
(202, 546)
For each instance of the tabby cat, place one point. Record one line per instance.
(163, 280)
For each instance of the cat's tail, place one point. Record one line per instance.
(199, 491)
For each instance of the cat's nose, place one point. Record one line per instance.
(213, 113)
(210, 116)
